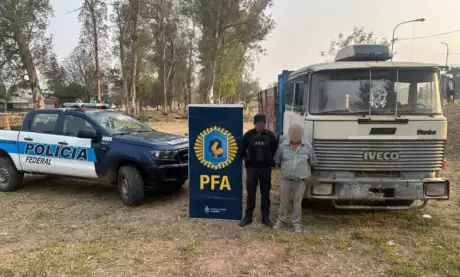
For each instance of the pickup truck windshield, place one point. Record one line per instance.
(393, 91)
(118, 123)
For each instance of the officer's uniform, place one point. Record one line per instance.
(258, 150)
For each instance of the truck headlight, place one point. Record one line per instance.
(164, 155)
(322, 189)
(436, 189)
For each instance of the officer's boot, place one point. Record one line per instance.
(246, 221)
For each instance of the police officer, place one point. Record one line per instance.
(258, 148)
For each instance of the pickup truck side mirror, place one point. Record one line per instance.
(89, 134)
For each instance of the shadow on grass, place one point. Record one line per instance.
(62, 186)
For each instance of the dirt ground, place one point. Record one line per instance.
(62, 227)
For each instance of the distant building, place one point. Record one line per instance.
(22, 100)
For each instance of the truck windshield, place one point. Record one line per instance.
(118, 123)
(396, 91)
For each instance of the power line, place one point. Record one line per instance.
(420, 53)
(430, 36)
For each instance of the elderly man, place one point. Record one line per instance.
(295, 157)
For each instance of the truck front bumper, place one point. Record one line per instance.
(167, 173)
(364, 189)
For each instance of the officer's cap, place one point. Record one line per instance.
(259, 118)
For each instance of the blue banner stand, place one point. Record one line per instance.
(215, 168)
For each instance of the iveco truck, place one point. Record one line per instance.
(377, 128)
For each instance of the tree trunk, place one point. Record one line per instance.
(134, 17)
(133, 85)
(188, 99)
(122, 56)
(96, 49)
(28, 63)
(213, 65)
(163, 58)
(210, 99)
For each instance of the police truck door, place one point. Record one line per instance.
(38, 147)
(80, 158)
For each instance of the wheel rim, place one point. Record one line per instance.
(4, 176)
(124, 187)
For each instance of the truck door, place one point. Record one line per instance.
(78, 157)
(38, 145)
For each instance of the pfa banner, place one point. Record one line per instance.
(215, 168)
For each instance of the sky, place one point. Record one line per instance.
(305, 28)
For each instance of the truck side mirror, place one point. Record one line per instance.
(450, 90)
(89, 134)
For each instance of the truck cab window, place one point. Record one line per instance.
(73, 124)
(298, 88)
(289, 95)
(44, 123)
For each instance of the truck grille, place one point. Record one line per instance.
(348, 155)
(182, 156)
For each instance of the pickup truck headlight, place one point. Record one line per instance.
(164, 155)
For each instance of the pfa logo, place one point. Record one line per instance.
(215, 148)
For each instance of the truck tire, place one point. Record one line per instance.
(10, 178)
(130, 186)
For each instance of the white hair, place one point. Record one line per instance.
(293, 127)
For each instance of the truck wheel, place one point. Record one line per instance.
(10, 178)
(130, 186)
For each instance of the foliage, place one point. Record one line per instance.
(24, 42)
(357, 36)
(167, 52)
(224, 25)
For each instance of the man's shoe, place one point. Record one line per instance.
(267, 223)
(278, 225)
(246, 221)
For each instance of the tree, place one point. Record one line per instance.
(23, 37)
(357, 36)
(54, 74)
(121, 19)
(190, 67)
(222, 24)
(93, 15)
(134, 7)
(79, 75)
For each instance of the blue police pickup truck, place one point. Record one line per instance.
(93, 144)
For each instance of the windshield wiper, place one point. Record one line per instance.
(344, 111)
(130, 132)
(141, 131)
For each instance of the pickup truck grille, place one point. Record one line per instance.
(182, 156)
(348, 155)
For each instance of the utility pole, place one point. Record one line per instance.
(394, 30)
(447, 54)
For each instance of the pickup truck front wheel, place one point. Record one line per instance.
(10, 178)
(130, 186)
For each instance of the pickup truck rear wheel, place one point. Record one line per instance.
(130, 186)
(10, 178)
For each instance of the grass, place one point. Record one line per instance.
(62, 227)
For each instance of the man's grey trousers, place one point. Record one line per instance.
(291, 192)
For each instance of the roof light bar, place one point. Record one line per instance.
(82, 105)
